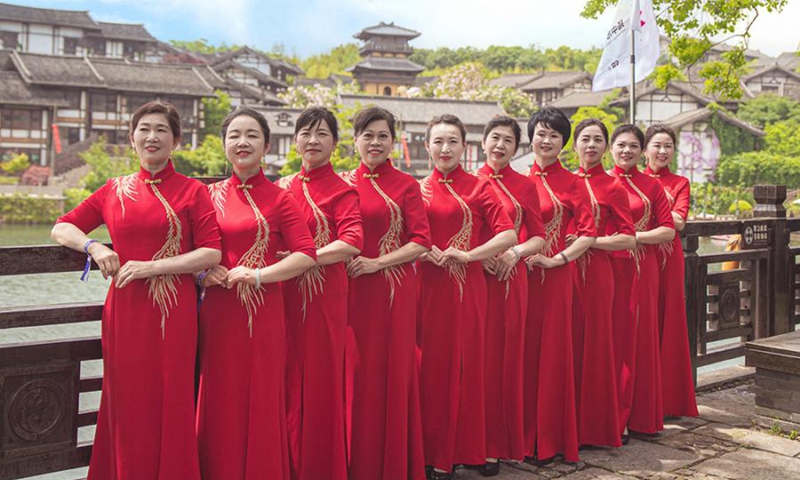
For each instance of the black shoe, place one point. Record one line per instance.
(626, 439)
(544, 462)
(490, 469)
(433, 474)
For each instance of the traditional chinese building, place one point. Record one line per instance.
(386, 67)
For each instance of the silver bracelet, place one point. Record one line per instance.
(258, 278)
(514, 249)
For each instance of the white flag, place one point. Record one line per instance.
(615, 65)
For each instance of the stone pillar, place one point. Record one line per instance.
(769, 204)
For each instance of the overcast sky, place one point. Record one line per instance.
(306, 27)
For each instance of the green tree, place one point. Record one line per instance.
(104, 165)
(783, 138)
(215, 110)
(202, 46)
(334, 61)
(16, 163)
(753, 168)
(768, 108)
(206, 160)
(693, 26)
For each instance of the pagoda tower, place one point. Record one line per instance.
(385, 66)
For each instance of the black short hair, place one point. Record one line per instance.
(629, 128)
(550, 117)
(370, 114)
(589, 122)
(657, 128)
(250, 112)
(447, 119)
(164, 108)
(312, 116)
(503, 121)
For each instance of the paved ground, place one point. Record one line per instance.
(723, 444)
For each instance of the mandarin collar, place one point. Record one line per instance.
(634, 171)
(384, 168)
(662, 173)
(319, 172)
(597, 169)
(453, 175)
(255, 180)
(488, 170)
(552, 168)
(164, 174)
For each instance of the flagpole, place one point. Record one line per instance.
(632, 89)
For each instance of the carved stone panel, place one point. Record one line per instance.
(39, 406)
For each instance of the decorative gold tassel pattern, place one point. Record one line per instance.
(585, 259)
(552, 229)
(250, 297)
(461, 240)
(219, 194)
(517, 222)
(162, 287)
(642, 224)
(126, 187)
(312, 281)
(391, 239)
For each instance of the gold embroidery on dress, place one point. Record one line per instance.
(641, 225)
(390, 241)
(125, 186)
(552, 229)
(349, 177)
(312, 281)
(219, 194)
(286, 182)
(461, 240)
(250, 297)
(162, 287)
(667, 248)
(585, 259)
(427, 191)
(517, 222)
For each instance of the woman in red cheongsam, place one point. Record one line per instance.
(636, 289)
(452, 300)
(595, 378)
(676, 364)
(241, 413)
(386, 435)
(316, 305)
(163, 228)
(507, 284)
(550, 416)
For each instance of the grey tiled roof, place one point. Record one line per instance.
(550, 80)
(125, 31)
(514, 80)
(48, 16)
(110, 74)
(421, 110)
(13, 91)
(388, 29)
(387, 64)
(581, 99)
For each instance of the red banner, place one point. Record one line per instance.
(56, 138)
(406, 154)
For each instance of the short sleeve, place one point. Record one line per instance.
(582, 210)
(88, 215)
(534, 226)
(492, 209)
(662, 214)
(347, 217)
(621, 215)
(682, 199)
(294, 228)
(203, 218)
(415, 220)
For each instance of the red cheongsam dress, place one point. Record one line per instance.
(550, 416)
(676, 363)
(241, 413)
(595, 371)
(452, 307)
(316, 316)
(145, 427)
(505, 320)
(636, 308)
(386, 436)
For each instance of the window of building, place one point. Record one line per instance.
(9, 40)
(770, 88)
(74, 99)
(135, 101)
(283, 119)
(71, 46)
(72, 135)
(103, 102)
(387, 91)
(20, 119)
